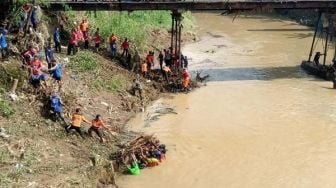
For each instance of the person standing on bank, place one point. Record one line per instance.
(57, 40)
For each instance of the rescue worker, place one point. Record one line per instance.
(97, 39)
(4, 44)
(56, 71)
(144, 69)
(185, 79)
(136, 62)
(76, 121)
(137, 87)
(317, 58)
(57, 40)
(96, 126)
(49, 55)
(185, 62)
(84, 27)
(79, 37)
(129, 62)
(86, 36)
(150, 60)
(166, 71)
(37, 74)
(125, 47)
(72, 43)
(56, 107)
(160, 58)
(113, 45)
(34, 18)
(28, 56)
(168, 58)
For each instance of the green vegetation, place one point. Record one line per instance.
(9, 73)
(116, 83)
(84, 61)
(4, 155)
(132, 25)
(6, 110)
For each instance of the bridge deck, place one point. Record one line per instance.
(198, 5)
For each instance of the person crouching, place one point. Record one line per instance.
(96, 126)
(76, 121)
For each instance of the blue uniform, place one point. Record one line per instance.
(57, 36)
(56, 104)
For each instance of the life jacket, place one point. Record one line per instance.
(56, 104)
(152, 162)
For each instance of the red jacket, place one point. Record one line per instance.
(36, 67)
(97, 38)
(73, 38)
(125, 45)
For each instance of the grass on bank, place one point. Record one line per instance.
(6, 110)
(116, 84)
(132, 25)
(84, 61)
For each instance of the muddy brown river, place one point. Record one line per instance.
(261, 122)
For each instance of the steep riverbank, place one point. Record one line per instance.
(38, 152)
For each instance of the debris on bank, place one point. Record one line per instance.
(142, 152)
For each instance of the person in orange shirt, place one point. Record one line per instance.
(113, 45)
(84, 26)
(96, 126)
(150, 60)
(76, 121)
(185, 79)
(166, 71)
(144, 69)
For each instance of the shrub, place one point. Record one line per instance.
(6, 110)
(84, 61)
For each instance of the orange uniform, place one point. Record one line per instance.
(166, 69)
(186, 79)
(144, 67)
(150, 59)
(84, 26)
(97, 123)
(113, 39)
(77, 119)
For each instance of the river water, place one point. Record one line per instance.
(262, 122)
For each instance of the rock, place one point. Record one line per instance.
(3, 133)
(18, 166)
(104, 103)
(13, 97)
